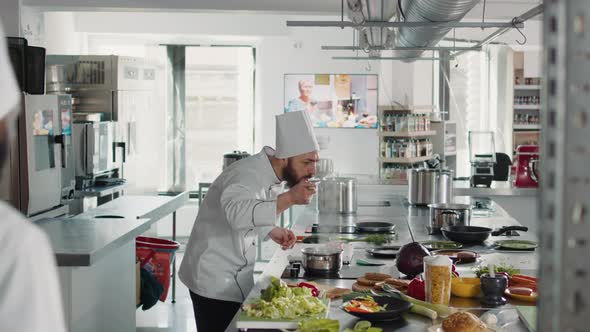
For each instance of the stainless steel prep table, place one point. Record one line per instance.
(96, 259)
(405, 217)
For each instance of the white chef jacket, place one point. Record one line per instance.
(240, 204)
(30, 299)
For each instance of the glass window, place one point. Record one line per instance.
(219, 108)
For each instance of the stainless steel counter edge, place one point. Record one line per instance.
(76, 258)
(88, 259)
(177, 202)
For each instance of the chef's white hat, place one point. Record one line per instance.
(9, 93)
(295, 135)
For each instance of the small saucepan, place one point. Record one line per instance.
(442, 215)
(475, 234)
(322, 260)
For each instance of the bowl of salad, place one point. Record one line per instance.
(376, 308)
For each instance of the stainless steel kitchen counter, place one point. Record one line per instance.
(405, 217)
(84, 239)
(82, 242)
(462, 188)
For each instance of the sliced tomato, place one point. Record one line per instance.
(521, 291)
(357, 309)
(522, 276)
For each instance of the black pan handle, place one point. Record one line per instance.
(510, 228)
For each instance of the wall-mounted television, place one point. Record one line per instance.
(334, 100)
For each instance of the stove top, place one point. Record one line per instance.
(339, 229)
(296, 271)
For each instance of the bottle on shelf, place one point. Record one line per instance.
(388, 150)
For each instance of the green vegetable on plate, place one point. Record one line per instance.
(441, 310)
(278, 301)
(484, 269)
(319, 325)
(363, 326)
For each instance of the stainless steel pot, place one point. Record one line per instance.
(324, 167)
(230, 158)
(442, 215)
(430, 186)
(322, 260)
(338, 195)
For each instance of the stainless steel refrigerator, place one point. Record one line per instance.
(40, 166)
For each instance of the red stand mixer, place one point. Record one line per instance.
(526, 164)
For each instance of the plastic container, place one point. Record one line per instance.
(438, 274)
(156, 255)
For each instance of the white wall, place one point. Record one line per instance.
(279, 50)
(9, 14)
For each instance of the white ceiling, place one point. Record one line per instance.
(495, 9)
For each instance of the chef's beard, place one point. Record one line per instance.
(290, 175)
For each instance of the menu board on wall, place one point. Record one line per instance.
(333, 100)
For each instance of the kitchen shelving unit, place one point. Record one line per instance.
(445, 142)
(393, 170)
(527, 97)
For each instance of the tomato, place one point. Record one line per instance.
(521, 291)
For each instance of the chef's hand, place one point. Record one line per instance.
(302, 192)
(284, 237)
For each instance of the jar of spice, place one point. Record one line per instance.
(438, 274)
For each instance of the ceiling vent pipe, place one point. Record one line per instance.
(360, 11)
(427, 11)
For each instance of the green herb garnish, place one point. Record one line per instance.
(511, 270)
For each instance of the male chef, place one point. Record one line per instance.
(30, 299)
(243, 203)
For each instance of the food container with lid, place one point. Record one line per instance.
(438, 275)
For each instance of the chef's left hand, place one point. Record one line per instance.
(284, 237)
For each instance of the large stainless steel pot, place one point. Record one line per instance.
(443, 215)
(430, 186)
(338, 195)
(322, 260)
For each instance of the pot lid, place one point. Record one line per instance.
(453, 206)
(320, 251)
(236, 154)
(433, 170)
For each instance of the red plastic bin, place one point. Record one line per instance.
(158, 253)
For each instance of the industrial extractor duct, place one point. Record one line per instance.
(360, 11)
(427, 11)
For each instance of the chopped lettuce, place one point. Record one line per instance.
(278, 301)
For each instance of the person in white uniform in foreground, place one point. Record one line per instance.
(30, 299)
(242, 203)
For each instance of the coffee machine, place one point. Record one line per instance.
(482, 156)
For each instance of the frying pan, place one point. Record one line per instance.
(475, 234)
(374, 227)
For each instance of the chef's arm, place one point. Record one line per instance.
(244, 211)
(284, 201)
